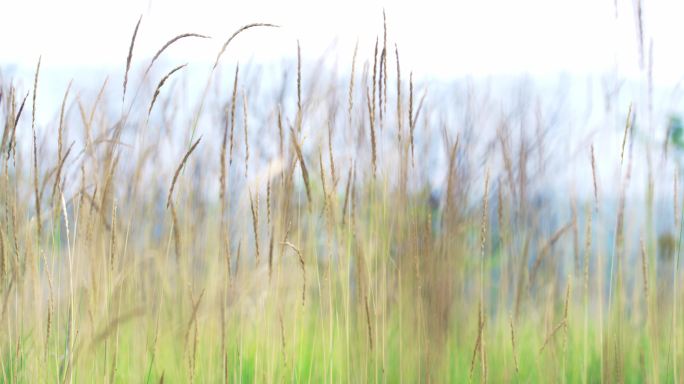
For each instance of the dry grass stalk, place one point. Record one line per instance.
(193, 317)
(618, 247)
(323, 183)
(161, 83)
(60, 136)
(575, 231)
(223, 175)
(546, 247)
(268, 198)
(675, 200)
(224, 350)
(9, 115)
(35, 149)
(254, 206)
(515, 355)
(241, 29)
(384, 61)
(48, 175)
(232, 112)
(346, 195)
(13, 140)
(98, 98)
(500, 211)
(411, 122)
(420, 107)
(16, 264)
(282, 334)
(70, 318)
(176, 231)
(193, 359)
(451, 177)
(333, 173)
(246, 128)
(478, 344)
(168, 43)
(587, 255)
(374, 156)
(281, 135)
(560, 325)
(351, 83)
(5, 300)
(593, 174)
(399, 113)
(237, 258)
(115, 323)
(675, 295)
(507, 158)
(130, 57)
(564, 322)
(375, 73)
(270, 255)
(483, 230)
(6, 191)
(3, 258)
(112, 242)
(644, 271)
(301, 264)
(368, 322)
(628, 126)
(109, 178)
(50, 304)
(381, 77)
(302, 164)
(178, 170)
(300, 115)
(483, 243)
(60, 130)
(568, 290)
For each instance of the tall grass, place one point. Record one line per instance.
(162, 257)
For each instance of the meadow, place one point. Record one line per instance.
(247, 235)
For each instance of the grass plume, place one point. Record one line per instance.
(129, 58)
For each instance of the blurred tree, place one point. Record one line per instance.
(676, 130)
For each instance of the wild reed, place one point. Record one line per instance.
(234, 35)
(35, 150)
(160, 84)
(302, 163)
(179, 169)
(121, 274)
(168, 44)
(351, 83)
(130, 58)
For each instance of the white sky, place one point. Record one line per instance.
(440, 38)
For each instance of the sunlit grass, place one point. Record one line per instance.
(143, 265)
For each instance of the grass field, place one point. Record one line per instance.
(300, 240)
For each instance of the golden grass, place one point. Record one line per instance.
(380, 274)
(160, 84)
(168, 44)
(130, 58)
(179, 169)
(234, 35)
(35, 149)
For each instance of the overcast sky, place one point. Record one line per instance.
(442, 38)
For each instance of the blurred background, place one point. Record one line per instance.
(442, 39)
(582, 63)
